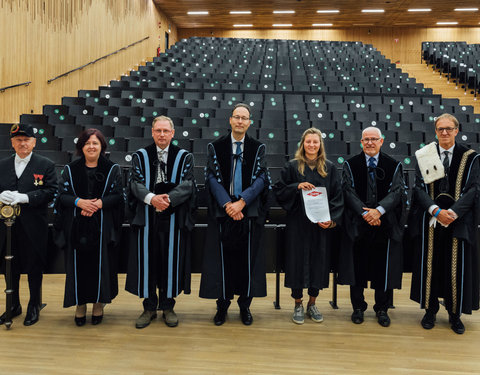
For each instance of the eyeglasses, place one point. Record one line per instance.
(373, 140)
(161, 131)
(448, 130)
(243, 118)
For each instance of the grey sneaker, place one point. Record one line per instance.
(145, 318)
(298, 315)
(314, 314)
(170, 318)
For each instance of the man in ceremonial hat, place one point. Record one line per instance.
(443, 226)
(237, 184)
(375, 202)
(28, 179)
(162, 193)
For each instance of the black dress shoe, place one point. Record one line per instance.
(383, 318)
(220, 317)
(246, 316)
(357, 316)
(33, 314)
(16, 311)
(457, 325)
(80, 321)
(428, 320)
(97, 319)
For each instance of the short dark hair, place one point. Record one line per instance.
(85, 136)
(241, 105)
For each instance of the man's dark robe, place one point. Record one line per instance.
(218, 178)
(460, 263)
(39, 182)
(308, 246)
(391, 195)
(176, 277)
(91, 270)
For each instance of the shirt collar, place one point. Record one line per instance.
(165, 150)
(367, 157)
(18, 159)
(234, 140)
(450, 150)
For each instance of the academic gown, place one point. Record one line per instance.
(308, 247)
(392, 196)
(460, 266)
(255, 187)
(91, 269)
(39, 182)
(177, 276)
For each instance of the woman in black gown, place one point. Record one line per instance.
(307, 255)
(90, 208)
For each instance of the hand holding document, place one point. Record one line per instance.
(316, 204)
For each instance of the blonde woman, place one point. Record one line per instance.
(307, 257)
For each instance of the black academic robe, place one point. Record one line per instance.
(91, 268)
(391, 195)
(142, 180)
(39, 182)
(460, 264)
(219, 167)
(308, 246)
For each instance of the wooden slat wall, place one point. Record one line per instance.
(396, 43)
(41, 39)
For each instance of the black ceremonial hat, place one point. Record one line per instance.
(21, 129)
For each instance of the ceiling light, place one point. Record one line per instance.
(420, 10)
(243, 25)
(322, 24)
(241, 12)
(282, 25)
(372, 11)
(197, 13)
(447, 23)
(283, 11)
(328, 11)
(466, 9)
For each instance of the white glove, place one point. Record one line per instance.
(19, 198)
(433, 222)
(7, 196)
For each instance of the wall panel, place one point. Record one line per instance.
(42, 39)
(401, 44)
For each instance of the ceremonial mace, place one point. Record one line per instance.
(8, 214)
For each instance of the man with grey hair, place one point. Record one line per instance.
(375, 199)
(162, 196)
(443, 227)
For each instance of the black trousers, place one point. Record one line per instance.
(235, 236)
(298, 293)
(158, 268)
(26, 260)
(382, 299)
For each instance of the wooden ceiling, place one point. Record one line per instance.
(350, 15)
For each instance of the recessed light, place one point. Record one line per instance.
(328, 11)
(322, 24)
(447, 23)
(283, 11)
(197, 13)
(420, 10)
(466, 9)
(282, 25)
(241, 12)
(243, 25)
(372, 11)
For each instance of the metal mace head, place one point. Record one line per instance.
(9, 213)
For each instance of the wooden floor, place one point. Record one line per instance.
(440, 85)
(272, 345)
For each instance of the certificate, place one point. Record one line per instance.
(316, 204)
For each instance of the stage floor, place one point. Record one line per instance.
(273, 344)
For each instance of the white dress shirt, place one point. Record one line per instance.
(21, 164)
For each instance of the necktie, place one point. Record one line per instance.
(371, 168)
(237, 177)
(161, 167)
(444, 185)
